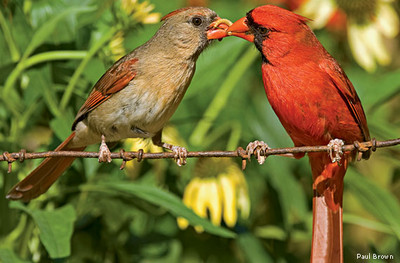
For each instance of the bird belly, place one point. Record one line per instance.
(136, 111)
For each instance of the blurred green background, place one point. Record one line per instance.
(53, 52)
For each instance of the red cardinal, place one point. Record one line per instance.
(135, 97)
(315, 102)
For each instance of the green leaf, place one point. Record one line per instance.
(8, 256)
(253, 249)
(220, 99)
(378, 201)
(291, 195)
(367, 223)
(42, 84)
(61, 125)
(47, 29)
(271, 232)
(161, 198)
(374, 88)
(55, 228)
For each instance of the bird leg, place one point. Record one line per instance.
(258, 149)
(104, 152)
(336, 150)
(180, 152)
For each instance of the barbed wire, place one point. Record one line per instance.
(239, 153)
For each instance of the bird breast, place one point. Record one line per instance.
(142, 108)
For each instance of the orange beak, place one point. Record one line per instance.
(217, 29)
(240, 29)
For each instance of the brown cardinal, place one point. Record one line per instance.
(135, 97)
(316, 103)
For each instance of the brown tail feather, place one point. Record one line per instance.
(327, 240)
(40, 179)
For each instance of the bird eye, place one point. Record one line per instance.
(197, 21)
(263, 30)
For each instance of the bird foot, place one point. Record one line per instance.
(258, 149)
(180, 153)
(104, 152)
(361, 150)
(335, 150)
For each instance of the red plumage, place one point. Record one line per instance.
(315, 102)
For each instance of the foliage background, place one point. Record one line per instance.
(97, 213)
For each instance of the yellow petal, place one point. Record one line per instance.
(320, 11)
(387, 20)
(199, 204)
(191, 191)
(189, 196)
(183, 223)
(199, 229)
(227, 188)
(236, 175)
(376, 46)
(362, 55)
(152, 18)
(243, 204)
(214, 204)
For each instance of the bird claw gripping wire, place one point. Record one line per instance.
(360, 149)
(180, 155)
(335, 150)
(258, 149)
(104, 152)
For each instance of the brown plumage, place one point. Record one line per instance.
(135, 97)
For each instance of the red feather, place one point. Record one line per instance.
(315, 102)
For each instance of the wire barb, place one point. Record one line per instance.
(10, 159)
(244, 155)
(373, 147)
(140, 154)
(22, 155)
(123, 155)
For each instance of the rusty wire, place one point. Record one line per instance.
(239, 152)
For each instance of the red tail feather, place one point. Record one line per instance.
(327, 208)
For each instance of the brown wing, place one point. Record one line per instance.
(349, 94)
(114, 80)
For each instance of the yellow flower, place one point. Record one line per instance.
(368, 22)
(218, 190)
(116, 46)
(134, 12)
(170, 135)
(140, 12)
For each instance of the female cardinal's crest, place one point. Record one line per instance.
(174, 13)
